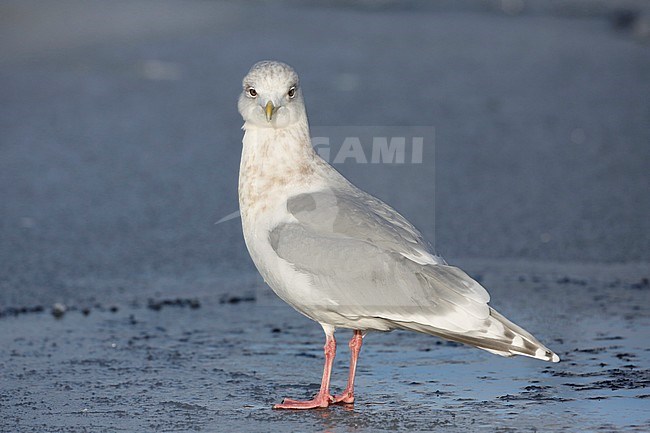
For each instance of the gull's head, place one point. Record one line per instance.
(271, 96)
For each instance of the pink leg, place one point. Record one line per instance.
(323, 398)
(347, 396)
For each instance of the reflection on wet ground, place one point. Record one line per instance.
(215, 365)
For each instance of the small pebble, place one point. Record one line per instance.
(58, 310)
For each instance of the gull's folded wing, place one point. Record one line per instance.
(369, 261)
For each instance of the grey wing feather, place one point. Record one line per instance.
(367, 261)
(371, 262)
(355, 214)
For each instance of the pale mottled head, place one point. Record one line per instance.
(271, 96)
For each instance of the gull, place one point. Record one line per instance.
(340, 256)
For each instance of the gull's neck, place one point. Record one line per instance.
(275, 162)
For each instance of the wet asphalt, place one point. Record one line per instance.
(119, 149)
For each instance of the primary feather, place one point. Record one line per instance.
(369, 262)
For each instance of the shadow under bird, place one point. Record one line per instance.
(341, 256)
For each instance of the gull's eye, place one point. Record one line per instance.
(251, 92)
(292, 92)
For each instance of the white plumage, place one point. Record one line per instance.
(338, 255)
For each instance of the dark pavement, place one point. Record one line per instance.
(120, 144)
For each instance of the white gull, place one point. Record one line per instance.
(341, 256)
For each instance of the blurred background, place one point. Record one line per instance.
(120, 138)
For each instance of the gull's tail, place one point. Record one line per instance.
(500, 336)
